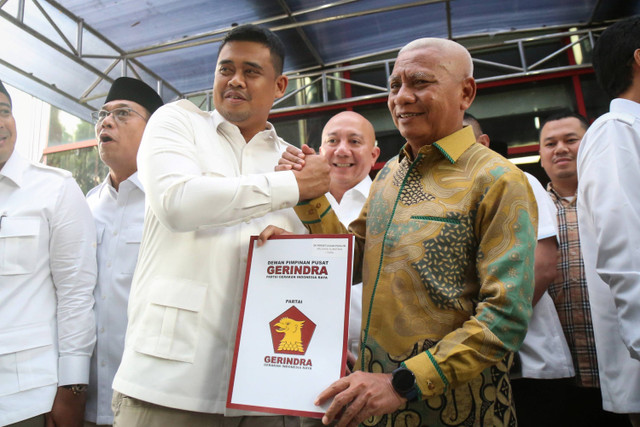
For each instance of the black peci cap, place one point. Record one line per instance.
(135, 90)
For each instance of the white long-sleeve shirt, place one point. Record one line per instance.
(544, 353)
(119, 217)
(47, 276)
(608, 203)
(208, 191)
(348, 210)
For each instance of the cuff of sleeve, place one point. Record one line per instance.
(312, 211)
(284, 189)
(429, 377)
(73, 370)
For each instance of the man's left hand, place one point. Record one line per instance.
(67, 410)
(361, 395)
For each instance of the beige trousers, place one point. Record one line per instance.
(37, 421)
(131, 412)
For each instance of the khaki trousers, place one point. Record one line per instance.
(131, 412)
(37, 421)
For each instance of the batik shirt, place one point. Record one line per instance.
(447, 243)
(570, 295)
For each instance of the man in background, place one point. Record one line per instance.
(47, 276)
(117, 206)
(349, 145)
(609, 218)
(560, 137)
(540, 377)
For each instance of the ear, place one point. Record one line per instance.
(375, 153)
(484, 140)
(281, 85)
(636, 57)
(468, 93)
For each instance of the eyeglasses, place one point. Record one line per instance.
(120, 114)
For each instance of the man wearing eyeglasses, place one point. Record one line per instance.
(117, 205)
(47, 276)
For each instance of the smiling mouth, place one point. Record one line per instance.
(235, 96)
(407, 115)
(342, 165)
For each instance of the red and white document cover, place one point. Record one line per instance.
(292, 332)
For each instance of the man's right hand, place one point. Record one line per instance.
(293, 158)
(313, 179)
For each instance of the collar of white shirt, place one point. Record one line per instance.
(14, 168)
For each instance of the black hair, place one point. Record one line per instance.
(565, 115)
(254, 33)
(613, 56)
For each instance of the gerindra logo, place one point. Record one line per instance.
(291, 332)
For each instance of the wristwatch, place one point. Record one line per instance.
(404, 383)
(76, 389)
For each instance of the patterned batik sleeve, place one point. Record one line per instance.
(505, 228)
(319, 218)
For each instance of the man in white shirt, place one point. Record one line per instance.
(609, 218)
(47, 272)
(540, 381)
(349, 144)
(117, 206)
(210, 185)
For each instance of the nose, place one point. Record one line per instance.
(107, 121)
(343, 148)
(237, 80)
(403, 96)
(561, 147)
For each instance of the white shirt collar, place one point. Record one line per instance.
(269, 131)
(620, 105)
(14, 168)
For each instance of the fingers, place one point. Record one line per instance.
(269, 232)
(352, 411)
(307, 150)
(338, 389)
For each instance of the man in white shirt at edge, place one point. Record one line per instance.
(608, 204)
(545, 359)
(47, 272)
(117, 205)
(210, 186)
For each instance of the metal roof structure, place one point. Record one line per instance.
(68, 52)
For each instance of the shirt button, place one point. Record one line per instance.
(103, 297)
(103, 363)
(101, 330)
(109, 265)
(115, 232)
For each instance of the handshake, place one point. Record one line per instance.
(310, 169)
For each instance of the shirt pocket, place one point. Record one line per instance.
(169, 326)
(99, 233)
(132, 237)
(19, 240)
(27, 358)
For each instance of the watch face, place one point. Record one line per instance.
(403, 380)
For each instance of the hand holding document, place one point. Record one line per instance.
(292, 331)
